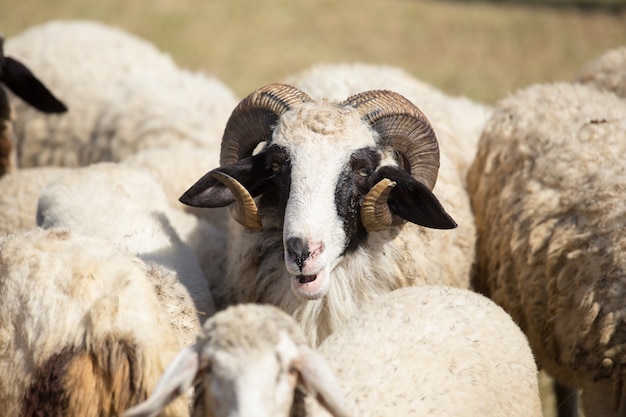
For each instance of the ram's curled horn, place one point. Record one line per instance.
(375, 213)
(403, 127)
(254, 118)
(245, 211)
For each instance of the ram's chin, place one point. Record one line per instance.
(310, 287)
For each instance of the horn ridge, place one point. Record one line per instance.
(254, 118)
(402, 126)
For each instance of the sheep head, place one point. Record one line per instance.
(252, 360)
(328, 174)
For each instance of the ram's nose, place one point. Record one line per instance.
(299, 252)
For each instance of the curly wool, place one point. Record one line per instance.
(431, 358)
(129, 208)
(75, 337)
(547, 189)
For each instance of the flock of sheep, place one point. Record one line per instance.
(353, 242)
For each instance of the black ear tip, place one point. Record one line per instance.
(57, 107)
(438, 220)
(188, 198)
(451, 224)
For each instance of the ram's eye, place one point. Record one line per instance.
(275, 166)
(365, 172)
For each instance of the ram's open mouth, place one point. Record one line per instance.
(310, 287)
(304, 279)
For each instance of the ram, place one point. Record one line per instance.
(344, 209)
(412, 352)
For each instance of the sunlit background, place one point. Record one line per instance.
(484, 50)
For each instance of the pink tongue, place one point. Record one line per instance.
(303, 279)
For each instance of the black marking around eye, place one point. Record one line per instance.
(275, 198)
(350, 190)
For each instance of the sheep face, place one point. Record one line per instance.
(322, 161)
(251, 361)
(249, 383)
(320, 171)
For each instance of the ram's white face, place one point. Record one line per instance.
(312, 176)
(319, 139)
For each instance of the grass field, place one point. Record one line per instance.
(484, 50)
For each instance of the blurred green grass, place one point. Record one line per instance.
(484, 50)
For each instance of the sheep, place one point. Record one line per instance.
(317, 242)
(128, 207)
(20, 80)
(438, 351)
(108, 76)
(457, 121)
(76, 338)
(172, 168)
(20, 192)
(607, 72)
(547, 189)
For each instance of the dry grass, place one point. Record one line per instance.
(480, 49)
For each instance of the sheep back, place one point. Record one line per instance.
(107, 75)
(435, 351)
(547, 189)
(75, 337)
(128, 207)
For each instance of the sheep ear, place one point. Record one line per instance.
(176, 380)
(414, 201)
(26, 86)
(319, 381)
(209, 192)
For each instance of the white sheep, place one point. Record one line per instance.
(83, 332)
(124, 93)
(457, 121)
(128, 207)
(22, 82)
(335, 184)
(172, 168)
(429, 350)
(607, 72)
(548, 188)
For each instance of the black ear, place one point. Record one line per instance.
(26, 86)
(414, 202)
(210, 193)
